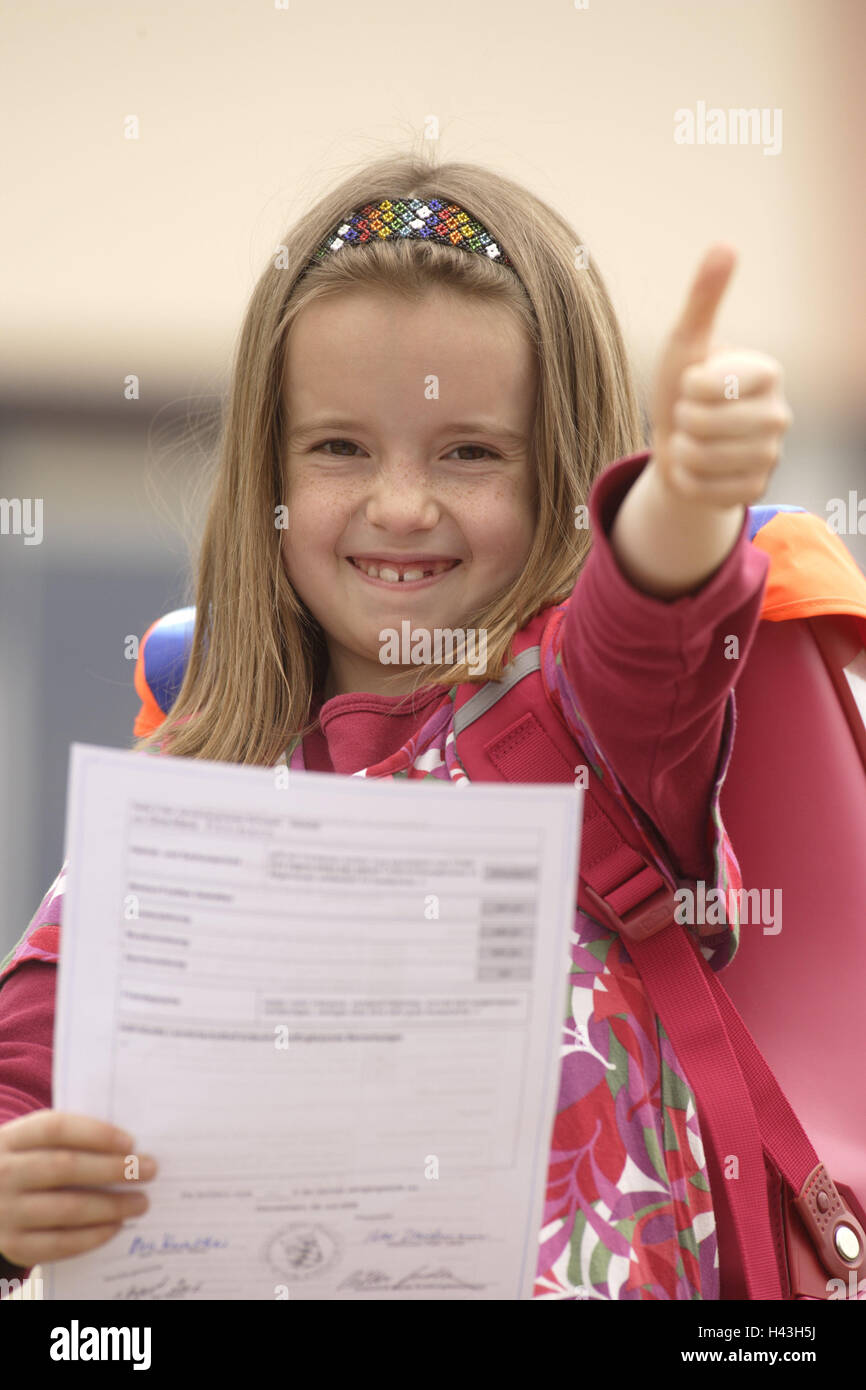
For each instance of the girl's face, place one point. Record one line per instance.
(410, 428)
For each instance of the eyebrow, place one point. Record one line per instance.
(454, 427)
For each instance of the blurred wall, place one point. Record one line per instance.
(137, 256)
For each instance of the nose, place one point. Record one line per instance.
(402, 499)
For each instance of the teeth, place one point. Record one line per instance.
(392, 576)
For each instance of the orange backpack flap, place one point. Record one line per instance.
(811, 570)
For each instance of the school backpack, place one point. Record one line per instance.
(794, 798)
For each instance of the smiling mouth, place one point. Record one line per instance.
(402, 572)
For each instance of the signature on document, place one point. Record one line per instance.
(424, 1277)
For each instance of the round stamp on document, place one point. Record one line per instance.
(303, 1250)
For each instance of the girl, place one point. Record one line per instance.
(430, 385)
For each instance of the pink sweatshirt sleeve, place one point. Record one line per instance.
(651, 680)
(26, 1042)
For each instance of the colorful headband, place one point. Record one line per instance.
(433, 220)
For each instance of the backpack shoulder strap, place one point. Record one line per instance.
(509, 731)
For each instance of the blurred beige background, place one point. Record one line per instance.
(138, 256)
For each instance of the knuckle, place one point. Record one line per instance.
(774, 370)
(68, 1206)
(693, 378)
(770, 451)
(51, 1125)
(685, 482)
(685, 416)
(63, 1165)
(682, 447)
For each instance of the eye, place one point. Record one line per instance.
(320, 447)
(480, 448)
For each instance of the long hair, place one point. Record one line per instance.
(258, 655)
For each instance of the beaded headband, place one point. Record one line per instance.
(430, 220)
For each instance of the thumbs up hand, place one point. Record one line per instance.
(717, 418)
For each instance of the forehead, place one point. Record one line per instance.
(367, 345)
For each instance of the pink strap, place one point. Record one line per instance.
(621, 884)
(670, 968)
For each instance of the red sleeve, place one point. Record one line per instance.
(650, 675)
(26, 1043)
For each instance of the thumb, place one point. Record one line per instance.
(694, 327)
(689, 341)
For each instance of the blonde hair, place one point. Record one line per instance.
(258, 655)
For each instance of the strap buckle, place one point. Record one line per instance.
(640, 922)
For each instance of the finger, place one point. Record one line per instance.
(759, 416)
(39, 1247)
(60, 1210)
(49, 1129)
(695, 324)
(731, 375)
(40, 1169)
(732, 491)
(737, 457)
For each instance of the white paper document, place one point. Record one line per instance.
(331, 1008)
